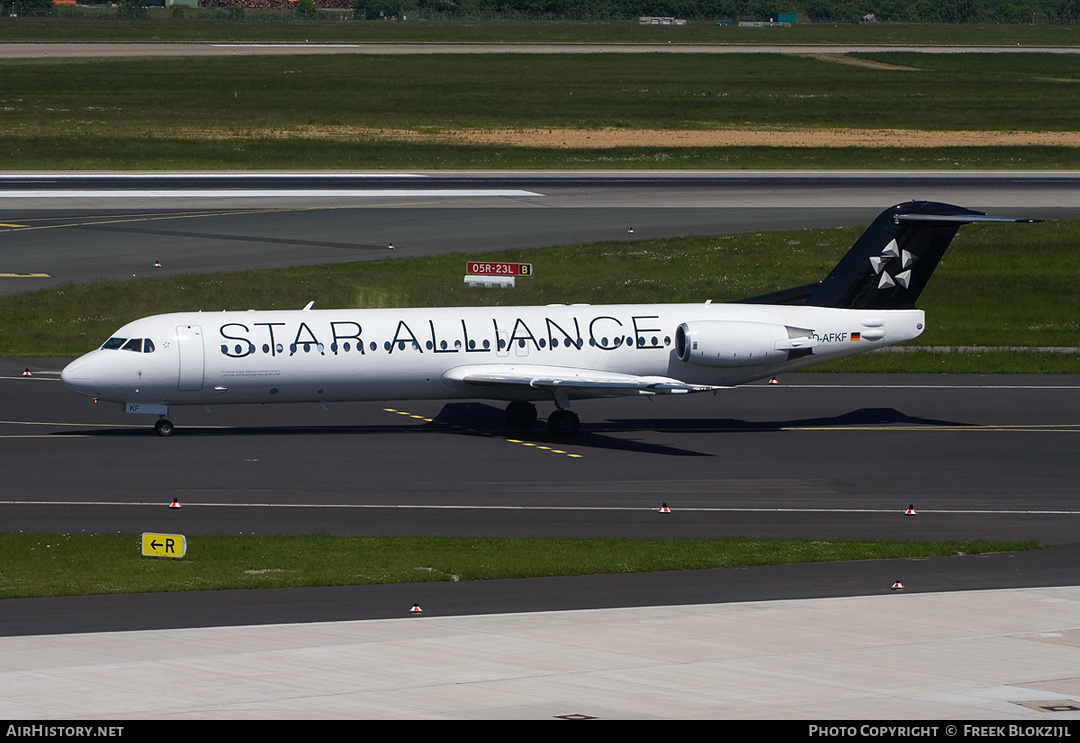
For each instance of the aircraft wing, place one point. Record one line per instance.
(511, 379)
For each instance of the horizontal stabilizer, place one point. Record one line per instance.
(960, 218)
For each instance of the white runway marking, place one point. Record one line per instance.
(197, 175)
(247, 193)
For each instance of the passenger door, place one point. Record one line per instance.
(189, 342)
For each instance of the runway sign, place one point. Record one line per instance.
(164, 545)
(481, 268)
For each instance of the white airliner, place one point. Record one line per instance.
(557, 353)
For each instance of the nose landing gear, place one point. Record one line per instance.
(164, 427)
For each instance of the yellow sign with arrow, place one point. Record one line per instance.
(164, 545)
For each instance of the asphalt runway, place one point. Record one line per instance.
(63, 228)
(817, 456)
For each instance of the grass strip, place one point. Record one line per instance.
(61, 153)
(955, 362)
(999, 285)
(81, 564)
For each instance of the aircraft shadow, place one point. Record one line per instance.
(481, 419)
(490, 420)
(852, 419)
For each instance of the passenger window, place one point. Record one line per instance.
(148, 346)
(114, 343)
(135, 344)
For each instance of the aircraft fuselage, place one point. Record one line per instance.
(338, 355)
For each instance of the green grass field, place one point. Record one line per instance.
(457, 91)
(78, 564)
(317, 111)
(239, 95)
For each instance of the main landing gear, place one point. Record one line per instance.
(164, 427)
(521, 414)
(563, 423)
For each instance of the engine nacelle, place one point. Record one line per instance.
(739, 343)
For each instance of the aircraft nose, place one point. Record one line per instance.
(76, 376)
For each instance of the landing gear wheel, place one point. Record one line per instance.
(521, 414)
(563, 423)
(164, 427)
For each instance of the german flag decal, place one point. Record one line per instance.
(856, 336)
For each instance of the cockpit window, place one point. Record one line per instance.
(145, 345)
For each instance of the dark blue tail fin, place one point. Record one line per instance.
(890, 264)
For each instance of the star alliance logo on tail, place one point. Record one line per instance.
(879, 262)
